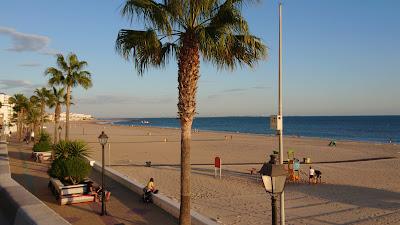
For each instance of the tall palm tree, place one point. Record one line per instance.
(20, 107)
(57, 99)
(34, 116)
(214, 29)
(70, 74)
(42, 97)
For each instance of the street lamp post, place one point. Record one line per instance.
(59, 133)
(103, 141)
(280, 113)
(274, 178)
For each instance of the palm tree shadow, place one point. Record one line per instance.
(353, 195)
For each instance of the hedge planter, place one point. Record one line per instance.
(68, 171)
(70, 194)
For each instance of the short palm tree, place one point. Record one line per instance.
(214, 29)
(42, 97)
(70, 74)
(20, 106)
(57, 99)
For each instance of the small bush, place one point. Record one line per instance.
(42, 147)
(66, 149)
(56, 169)
(44, 144)
(44, 137)
(71, 170)
(70, 165)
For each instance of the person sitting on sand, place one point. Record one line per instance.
(311, 175)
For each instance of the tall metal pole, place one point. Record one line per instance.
(280, 113)
(103, 206)
(274, 211)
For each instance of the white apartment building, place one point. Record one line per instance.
(72, 117)
(6, 113)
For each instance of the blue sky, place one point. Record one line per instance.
(340, 58)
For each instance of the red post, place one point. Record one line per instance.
(217, 164)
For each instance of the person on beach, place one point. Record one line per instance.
(150, 187)
(149, 190)
(311, 175)
(318, 176)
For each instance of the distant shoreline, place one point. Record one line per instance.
(112, 122)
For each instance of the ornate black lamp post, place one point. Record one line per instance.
(274, 178)
(103, 141)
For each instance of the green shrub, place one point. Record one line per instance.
(66, 149)
(70, 165)
(71, 170)
(44, 144)
(44, 137)
(42, 147)
(77, 169)
(56, 169)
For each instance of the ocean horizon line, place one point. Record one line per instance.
(383, 129)
(171, 117)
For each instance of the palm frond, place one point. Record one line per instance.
(56, 76)
(151, 12)
(233, 50)
(144, 47)
(216, 26)
(61, 62)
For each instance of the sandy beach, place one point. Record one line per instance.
(359, 187)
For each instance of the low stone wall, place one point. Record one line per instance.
(162, 201)
(17, 205)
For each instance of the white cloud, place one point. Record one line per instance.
(22, 42)
(51, 52)
(114, 99)
(29, 64)
(10, 84)
(20, 86)
(236, 90)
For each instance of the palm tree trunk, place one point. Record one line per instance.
(20, 124)
(19, 131)
(41, 116)
(188, 76)
(68, 102)
(36, 130)
(56, 122)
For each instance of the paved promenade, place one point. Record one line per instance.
(125, 207)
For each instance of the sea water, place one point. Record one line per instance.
(359, 128)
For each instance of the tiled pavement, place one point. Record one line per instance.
(125, 207)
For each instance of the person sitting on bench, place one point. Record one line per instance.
(93, 190)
